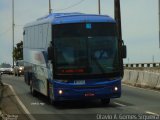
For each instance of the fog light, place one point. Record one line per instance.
(60, 92)
(115, 88)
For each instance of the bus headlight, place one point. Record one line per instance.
(60, 92)
(115, 88)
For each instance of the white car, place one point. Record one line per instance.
(6, 70)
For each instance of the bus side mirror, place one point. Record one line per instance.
(124, 51)
(50, 53)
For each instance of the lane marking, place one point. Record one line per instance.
(152, 113)
(21, 104)
(142, 88)
(122, 105)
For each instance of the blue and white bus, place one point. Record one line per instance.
(74, 56)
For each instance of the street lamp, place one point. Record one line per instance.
(117, 15)
(13, 30)
(99, 7)
(50, 10)
(159, 21)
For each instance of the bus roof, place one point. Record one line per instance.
(62, 18)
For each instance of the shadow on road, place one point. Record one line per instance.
(80, 104)
(83, 105)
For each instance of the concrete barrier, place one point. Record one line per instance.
(146, 79)
(142, 79)
(158, 83)
(126, 76)
(133, 77)
(153, 80)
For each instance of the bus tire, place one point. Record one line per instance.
(53, 102)
(33, 92)
(50, 98)
(56, 103)
(105, 101)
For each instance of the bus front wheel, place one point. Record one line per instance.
(105, 101)
(52, 101)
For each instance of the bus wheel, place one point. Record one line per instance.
(53, 102)
(33, 92)
(50, 100)
(105, 101)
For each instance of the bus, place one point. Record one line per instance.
(74, 56)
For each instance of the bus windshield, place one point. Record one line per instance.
(86, 48)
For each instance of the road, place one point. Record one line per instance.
(134, 100)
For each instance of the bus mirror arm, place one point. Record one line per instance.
(50, 53)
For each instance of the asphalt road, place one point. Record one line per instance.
(135, 102)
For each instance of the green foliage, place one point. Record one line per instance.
(18, 51)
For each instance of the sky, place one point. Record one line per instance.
(140, 23)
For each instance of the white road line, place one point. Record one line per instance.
(21, 104)
(141, 88)
(152, 113)
(122, 105)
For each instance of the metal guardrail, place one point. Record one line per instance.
(142, 65)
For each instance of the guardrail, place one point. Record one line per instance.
(142, 65)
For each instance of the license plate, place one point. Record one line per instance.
(89, 94)
(79, 82)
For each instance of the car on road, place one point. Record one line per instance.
(19, 68)
(6, 70)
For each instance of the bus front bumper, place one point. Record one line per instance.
(88, 92)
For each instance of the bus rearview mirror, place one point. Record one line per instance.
(124, 51)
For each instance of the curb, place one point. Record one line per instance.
(12, 106)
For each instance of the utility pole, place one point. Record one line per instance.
(159, 20)
(13, 30)
(117, 15)
(99, 7)
(50, 10)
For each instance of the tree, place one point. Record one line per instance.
(18, 51)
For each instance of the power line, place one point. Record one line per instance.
(71, 6)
